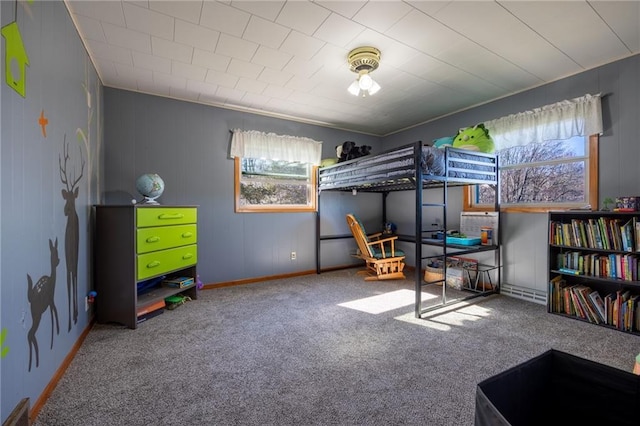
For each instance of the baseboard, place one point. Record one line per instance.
(212, 286)
(524, 293)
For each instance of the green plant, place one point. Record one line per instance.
(606, 203)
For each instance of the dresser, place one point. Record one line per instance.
(136, 246)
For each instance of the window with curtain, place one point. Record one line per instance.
(548, 158)
(274, 173)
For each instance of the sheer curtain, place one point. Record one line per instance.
(254, 144)
(575, 117)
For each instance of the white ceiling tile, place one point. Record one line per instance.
(301, 84)
(338, 30)
(507, 38)
(623, 18)
(135, 73)
(251, 85)
(302, 16)
(332, 57)
(381, 15)
(255, 100)
(265, 32)
(244, 69)
(154, 63)
(223, 18)
(185, 10)
(169, 49)
(90, 28)
(148, 21)
(106, 11)
(201, 87)
(276, 91)
(271, 58)
(188, 71)
(230, 95)
(275, 77)
(437, 57)
(264, 9)
(127, 38)
(221, 79)
(344, 8)
(301, 45)
(236, 47)
(106, 51)
(167, 80)
(302, 68)
(196, 36)
(210, 60)
(572, 27)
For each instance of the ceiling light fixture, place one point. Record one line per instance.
(363, 60)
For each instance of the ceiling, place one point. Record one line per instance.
(289, 58)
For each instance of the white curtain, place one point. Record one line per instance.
(254, 144)
(562, 120)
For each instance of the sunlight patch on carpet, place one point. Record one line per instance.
(448, 317)
(386, 301)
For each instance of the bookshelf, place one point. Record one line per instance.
(593, 267)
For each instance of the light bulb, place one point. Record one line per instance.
(365, 82)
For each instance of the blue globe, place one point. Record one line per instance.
(151, 186)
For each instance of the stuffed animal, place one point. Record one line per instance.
(349, 150)
(346, 151)
(474, 138)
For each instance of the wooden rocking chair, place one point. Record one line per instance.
(383, 260)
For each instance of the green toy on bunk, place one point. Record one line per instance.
(474, 138)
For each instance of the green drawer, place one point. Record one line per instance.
(161, 216)
(160, 262)
(164, 237)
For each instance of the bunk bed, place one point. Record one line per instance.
(416, 167)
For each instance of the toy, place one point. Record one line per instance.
(474, 138)
(443, 142)
(349, 150)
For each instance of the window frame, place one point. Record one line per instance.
(593, 181)
(275, 208)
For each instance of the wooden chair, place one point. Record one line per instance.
(383, 260)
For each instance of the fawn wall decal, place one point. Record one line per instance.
(70, 193)
(42, 296)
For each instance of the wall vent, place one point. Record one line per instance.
(524, 293)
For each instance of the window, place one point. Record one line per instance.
(548, 158)
(274, 173)
(263, 185)
(543, 176)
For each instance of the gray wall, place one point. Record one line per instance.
(525, 235)
(32, 206)
(187, 144)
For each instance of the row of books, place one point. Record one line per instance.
(602, 233)
(617, 309)
(613, 265)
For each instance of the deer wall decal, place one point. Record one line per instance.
(71, 236)
(42, 296)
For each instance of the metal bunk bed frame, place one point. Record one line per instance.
(418, 181)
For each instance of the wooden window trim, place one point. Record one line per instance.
(273, 208)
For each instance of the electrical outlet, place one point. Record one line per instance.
(293, 255)
(86, 303)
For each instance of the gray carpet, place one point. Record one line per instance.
(325, 349)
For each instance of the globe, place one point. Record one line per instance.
(151, 186)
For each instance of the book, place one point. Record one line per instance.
(178, 282)
(597, 301)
